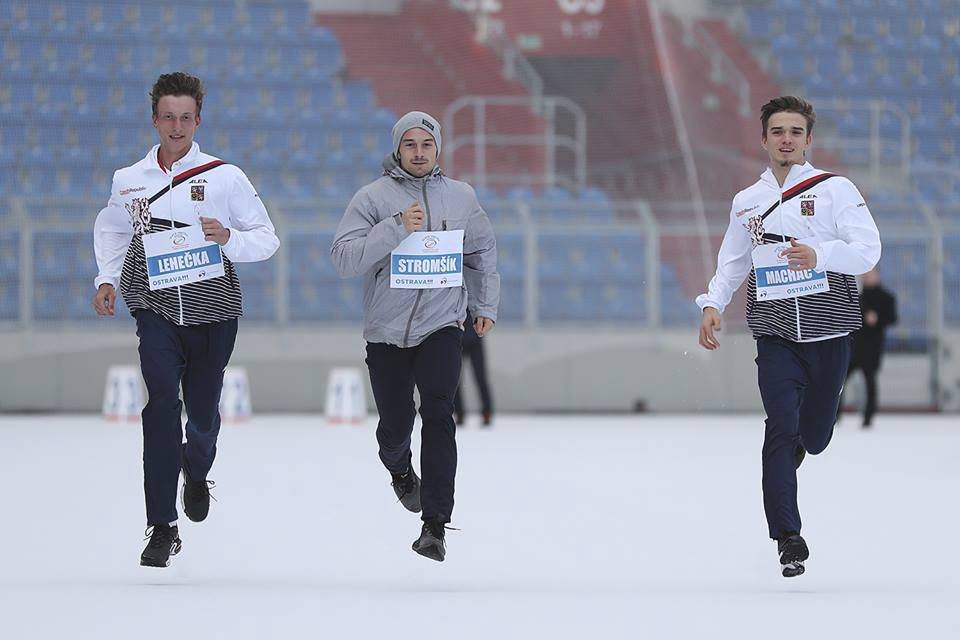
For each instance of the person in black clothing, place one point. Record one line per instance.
(473, 349)
(879, 308)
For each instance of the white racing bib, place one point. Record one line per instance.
(428, 260)
(180, 256)
(776, 281)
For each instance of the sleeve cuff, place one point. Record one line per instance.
(703, 301)
(820, 266)
(230, 247)
(99, 280)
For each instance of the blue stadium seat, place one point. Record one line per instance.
(862, 63)
(384, 119)
(28, 19)
(500, 211)
(891, 86)
(9, 300)
(563, 256)
(561, 302)
(9, 255)
(924, 124)
(511, 255)
(310, 257)
(818, 85)
(259, 301)
(358, 95)
(486, 194)
(322, 36)
(625, 257)
(925, 44)
(323, 96)
(759, 24)
(522, 194)
(512, 292)
(675, 307)
(854, 125)
(331, 300)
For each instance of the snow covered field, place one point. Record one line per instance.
(571, 527)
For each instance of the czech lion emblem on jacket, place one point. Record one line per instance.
(139, 210)
(755, 227)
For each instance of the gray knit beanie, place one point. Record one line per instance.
(413, 120)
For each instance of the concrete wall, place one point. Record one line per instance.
(550, 370)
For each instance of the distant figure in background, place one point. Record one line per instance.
(879, 308)
(473, 349)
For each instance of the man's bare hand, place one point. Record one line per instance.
(483, 326)
(708, 325)
(800, 256)
(413, 217)
(105, 301)
(214, 231)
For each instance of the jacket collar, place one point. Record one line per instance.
(797, 174)
(183, 163)
(391, 167)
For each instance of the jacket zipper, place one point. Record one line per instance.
(172, 227)
(783, 238)
(416, 303)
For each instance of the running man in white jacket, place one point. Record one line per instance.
(155, 240)
(801, 235)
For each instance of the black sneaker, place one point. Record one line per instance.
(793, 552)
(195, 494)
(798, 455)
(407, 487)
(431, 543)
(164, 542)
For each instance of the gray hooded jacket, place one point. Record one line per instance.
(371, 228)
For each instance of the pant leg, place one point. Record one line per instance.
(870, 377)
(852, 366)
(437, 366)
(209, 347)
(391, 377)
(162, 362)
(827, 362)
(478, 362)
(458, 407)
(782, 377)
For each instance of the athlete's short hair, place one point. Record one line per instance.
(793, 104)
(177, 83)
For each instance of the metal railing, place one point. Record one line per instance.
(663, 238)
(551, 141)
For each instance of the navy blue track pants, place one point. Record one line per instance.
(800, 384)
(172, 356)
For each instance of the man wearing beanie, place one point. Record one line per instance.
(427, 253)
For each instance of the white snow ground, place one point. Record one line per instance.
(571, 527)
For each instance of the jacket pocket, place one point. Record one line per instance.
(453, 223)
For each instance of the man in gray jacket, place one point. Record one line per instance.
(414, 334)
